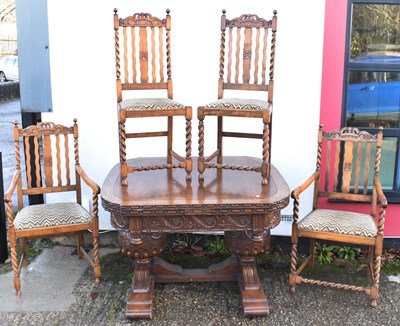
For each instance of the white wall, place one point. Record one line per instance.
(83, 77)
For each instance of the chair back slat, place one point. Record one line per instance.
(143, 55)
(229, 56)
(328, 166)
(237, 60)
(244, 66)
(161, 58)
(142, 51)
(347, 157)
(347, 168)
(67, 161)
(358, 168)
(257, 56)
(264, 58)
(59, 178)
(153, 55)
(367, 167)
(47, 161)
(133, 45)
(247, 55)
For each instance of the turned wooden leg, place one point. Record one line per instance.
(169, 140)
(96, 256)
(14, 260)
(140, 299)
(188, 164)
(200, 161)
(246, 248)
(122, 148)
(265, 168)
(293, 268)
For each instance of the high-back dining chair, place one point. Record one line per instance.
(143, 63)
(247, 59)
(52, 167)
(348, 163)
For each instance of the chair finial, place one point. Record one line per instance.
(223, 11)
(275, 12)
(115, 10)
(167, 11)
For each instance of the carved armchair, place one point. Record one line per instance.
(347, 170)
(52, 167)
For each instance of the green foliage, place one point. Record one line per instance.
(391, 267)
(324, 253)
(184, 242)
(349, 253)
(216, 246)
(34, 248)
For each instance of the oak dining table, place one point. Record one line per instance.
(158, 202)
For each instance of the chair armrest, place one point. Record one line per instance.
(296, 192)
(95, 187)
(379, 192)
(11, 188)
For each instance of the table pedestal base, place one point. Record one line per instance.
(241, 268)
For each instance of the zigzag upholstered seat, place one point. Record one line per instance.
(239, 104)
(52, 214)
(149, 104)
(329, 220)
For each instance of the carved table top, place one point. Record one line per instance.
(166, 193)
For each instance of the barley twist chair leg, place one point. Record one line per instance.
(265, 161)
(200, 161)
(188, 164)
(14, 262)
(96, 259)
(292, 280)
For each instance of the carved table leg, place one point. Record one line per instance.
(140, 299)
(246, 247)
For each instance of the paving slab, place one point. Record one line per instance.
(47, 283)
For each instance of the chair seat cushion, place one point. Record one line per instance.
(238, 104)
(52, 214)
(149, 104)
(341, 222)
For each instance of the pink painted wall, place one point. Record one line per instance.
(331, 96)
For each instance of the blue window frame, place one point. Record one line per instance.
(371, 88)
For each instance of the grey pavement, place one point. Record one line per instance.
(47, 283)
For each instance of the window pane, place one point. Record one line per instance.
(388, 162)
(375, 34)
(373, 99)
